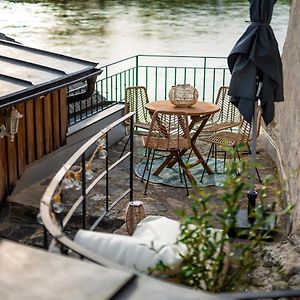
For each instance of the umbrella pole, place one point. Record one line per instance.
(252, 193)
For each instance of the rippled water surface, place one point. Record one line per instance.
(106, 30)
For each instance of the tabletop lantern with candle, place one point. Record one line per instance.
(183, 95)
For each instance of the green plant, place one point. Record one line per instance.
(217, 260)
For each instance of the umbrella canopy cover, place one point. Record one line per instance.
(255, 57)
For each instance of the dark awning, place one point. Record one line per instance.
(256, 55)
(28, 72)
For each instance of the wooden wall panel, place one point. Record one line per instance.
(55, 120)
(42, 130)
(48, 131)
(39, 127)
(21, 140)
(30, 136)
(12, 163)
(63, 116)
(3, 164)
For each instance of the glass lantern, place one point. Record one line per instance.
(183, 95)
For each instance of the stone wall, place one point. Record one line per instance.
(285, 129)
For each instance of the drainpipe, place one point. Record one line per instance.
(91, 81)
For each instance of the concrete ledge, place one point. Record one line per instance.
(29, 273)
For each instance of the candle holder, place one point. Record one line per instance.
(183, 95)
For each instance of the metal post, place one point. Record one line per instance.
(131, 160)
(106, 177)
(83, 190)
(106, 82)
(137, 70)
(45, 237)
(204, 78)
(252, 194)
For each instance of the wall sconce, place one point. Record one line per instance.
(10, 128)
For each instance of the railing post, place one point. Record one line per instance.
(106, 176)
(166, 82)
(131, 160)
(106, 83)
(83, 190)
(156, 69)
(137, 70)
(45, 237)
(204, 79)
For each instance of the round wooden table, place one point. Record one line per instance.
(200, 112)
(199, 109)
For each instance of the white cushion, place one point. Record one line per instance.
(152, 241)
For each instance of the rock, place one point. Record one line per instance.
(294, 270)
(294, 281)
(280, 285)
(260, 276)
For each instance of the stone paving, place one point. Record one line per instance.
(18, 218)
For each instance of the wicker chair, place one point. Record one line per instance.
(136, 98)
(168, 132)
(227, 117)
(232, 139)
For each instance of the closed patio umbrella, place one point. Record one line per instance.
(256, 69)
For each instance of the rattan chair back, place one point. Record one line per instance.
(227, 117)
(168, 131)
(136, 98)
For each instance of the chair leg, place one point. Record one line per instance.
(189, 156)
(224, 163)
(145, 192)
(180, 174)
(238, 154)
(125, 146)
(184, 177)
(256, 170)
(216, 151)
(210, 150)
(146, 165)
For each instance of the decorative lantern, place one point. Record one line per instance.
(183, 95)
(11, 126)
(135, 212)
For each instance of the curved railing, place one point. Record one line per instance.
(54, 224)
(50, 212)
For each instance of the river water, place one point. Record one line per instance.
(107, 30)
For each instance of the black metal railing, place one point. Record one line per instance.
(158, 73)
(52, 216)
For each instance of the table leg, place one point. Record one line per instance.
(195, 120)
(187, 172)
(200, 160)
(181, 163)
(163, 165)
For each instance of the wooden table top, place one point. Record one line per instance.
(198, 109)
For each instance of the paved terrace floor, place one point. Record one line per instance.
(18, 218)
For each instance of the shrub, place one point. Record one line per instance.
(218, 260)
